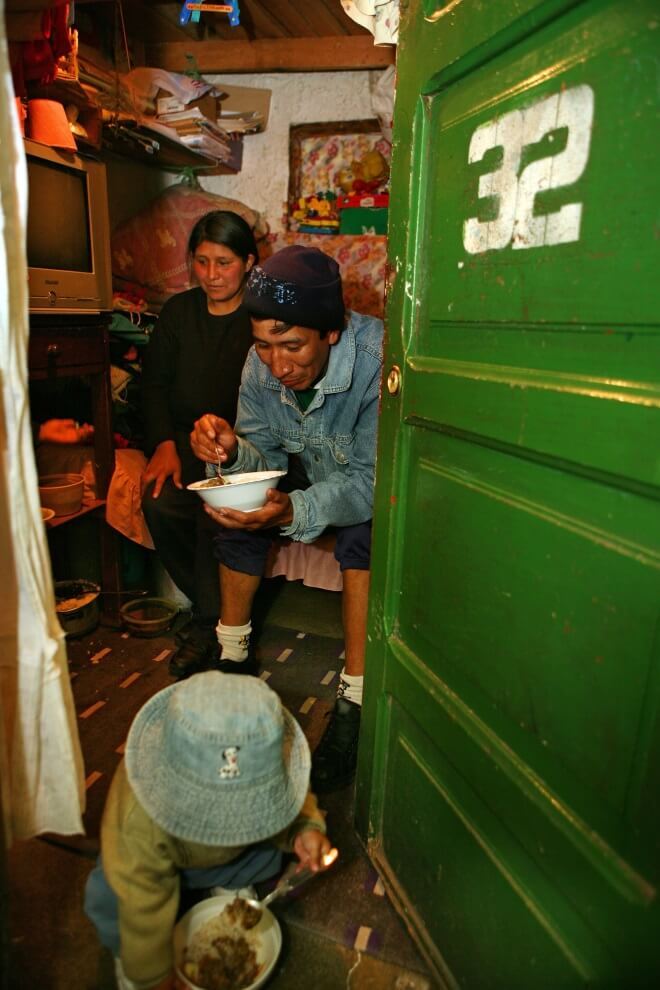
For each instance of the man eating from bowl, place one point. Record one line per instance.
(308, 404)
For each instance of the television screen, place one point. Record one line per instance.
(58, 235)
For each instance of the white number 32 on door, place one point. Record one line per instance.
(515, 221)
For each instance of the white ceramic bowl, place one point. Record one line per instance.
(267, 933)
(246, 492)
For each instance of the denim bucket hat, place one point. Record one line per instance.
(217, 759)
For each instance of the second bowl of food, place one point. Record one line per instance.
(217, 944)
(148, 616)
(246, 492)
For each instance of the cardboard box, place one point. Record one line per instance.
(363, 199)
(244, 99)
(363, 220)
(207, 104)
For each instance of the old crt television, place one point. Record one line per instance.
(68, 232)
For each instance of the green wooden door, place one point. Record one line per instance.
(509, 778)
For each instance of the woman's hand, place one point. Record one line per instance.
(213, 439)
(310, 847)
(164, 464)
(278, 511)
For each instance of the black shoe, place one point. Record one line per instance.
(183, 624)
(198, 650)
(335, 758)
(248, 666)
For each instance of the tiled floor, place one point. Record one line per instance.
(340, 932)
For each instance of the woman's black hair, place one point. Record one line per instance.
(226, 228)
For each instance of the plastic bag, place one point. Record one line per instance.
(382, 101)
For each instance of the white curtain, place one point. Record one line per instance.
(41, 767)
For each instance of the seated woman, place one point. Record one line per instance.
(192, 365)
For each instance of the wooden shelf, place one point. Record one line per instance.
(57, 521)
(66, 346)
(170, 156)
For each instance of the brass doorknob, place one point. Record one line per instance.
(394, 380)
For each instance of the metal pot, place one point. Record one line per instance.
(77, 606)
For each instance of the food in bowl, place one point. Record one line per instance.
(220, 956)
(77, 606)
(77, 601)
(148, 616)
(214, 948)
(241, 914)
(230, 963)
(245, 492)
(214, 482)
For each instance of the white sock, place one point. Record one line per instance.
(350, 687)
(234, 641)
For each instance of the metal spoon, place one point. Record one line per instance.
(290, 880)
(219, 469)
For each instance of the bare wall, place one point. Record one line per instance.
(298, 98)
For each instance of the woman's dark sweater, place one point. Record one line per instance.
(192, 366)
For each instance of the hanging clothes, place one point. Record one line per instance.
(381, 17)
(37, 60)
(41, 766)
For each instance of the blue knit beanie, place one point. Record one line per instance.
(297, 285)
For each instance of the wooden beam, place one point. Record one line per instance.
(273, 55)
(20, 6)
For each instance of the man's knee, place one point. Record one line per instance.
(243, 551)
(353, 547)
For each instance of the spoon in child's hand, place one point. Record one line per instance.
(292, 879)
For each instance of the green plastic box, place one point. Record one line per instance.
(363, 220)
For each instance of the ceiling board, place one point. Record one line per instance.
(260, 19)
(321, 34)
(273, 55)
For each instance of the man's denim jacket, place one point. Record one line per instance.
(335, 438)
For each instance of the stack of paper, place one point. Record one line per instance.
(194, 129)
(244, 109)
(247, 122)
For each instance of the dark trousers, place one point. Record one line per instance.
(183, 536)
(247, 552)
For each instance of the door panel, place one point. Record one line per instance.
(545, 584)
(483, 874)
(509, 779)
(556, 88)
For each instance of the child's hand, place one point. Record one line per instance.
(310, 847)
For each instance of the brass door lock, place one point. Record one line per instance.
(394, 380)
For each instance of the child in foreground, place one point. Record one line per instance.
(213, 789)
